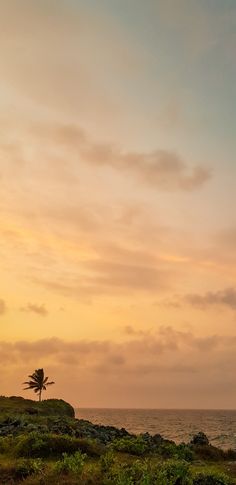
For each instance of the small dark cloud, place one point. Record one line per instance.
(130, 330)
(40, 310)
(3, 307)
(226, 297)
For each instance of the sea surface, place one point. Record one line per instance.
(177, 425)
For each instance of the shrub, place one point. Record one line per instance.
(173, 472)
(107, 461)
(119, 475)
(144, 473)
(71, 463)
(171, 450)
(130, 444)
(209, 452)
(5, 444)
(230, 454)
(46, 444)
(184, 452)
(211, 478)
(26, 467)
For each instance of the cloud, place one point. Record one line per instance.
(148, 345)
(159, 169)
(101, 277)
(40, 310)
(174, 363)
(226, 297)
(3, 307)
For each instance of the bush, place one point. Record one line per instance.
(179, 452)
(46, 444)
(144, 473)
(211, 478)
(230, 454)
(209, 452)
(184, 452)
(5, 444)
(71, 463)
(173, 472)
(119, 475)
(26, 467)
(131, 444)
(107, 461)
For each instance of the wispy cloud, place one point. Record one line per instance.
(40, 310)
(225, 298)
(160, 169)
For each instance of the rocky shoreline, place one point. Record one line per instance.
(40, 433)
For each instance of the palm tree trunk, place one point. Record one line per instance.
(40, 395)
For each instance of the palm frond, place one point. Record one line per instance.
(38, 382)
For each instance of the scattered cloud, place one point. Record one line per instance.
(159, 169)
(226, 297)
(146, 346)
(162, 355)
(40, 310)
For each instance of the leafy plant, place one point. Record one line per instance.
(107, 461)
(173, 472)
(129, 444)
(71, 463)
(42, 445)
(26, 467)
(211, 478)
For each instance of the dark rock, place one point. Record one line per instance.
(200, 439)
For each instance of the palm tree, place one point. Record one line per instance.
(38, 382)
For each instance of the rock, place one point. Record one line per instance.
(200, 439)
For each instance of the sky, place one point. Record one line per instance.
(117, 201)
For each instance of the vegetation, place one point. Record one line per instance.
(42, 443)
(38, 382)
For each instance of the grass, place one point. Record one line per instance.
(43, 446)
(19, 405)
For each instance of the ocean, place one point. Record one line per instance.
(177, 425)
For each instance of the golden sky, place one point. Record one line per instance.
(117, 185)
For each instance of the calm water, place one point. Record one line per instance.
(178, 425)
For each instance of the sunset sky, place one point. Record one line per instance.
(117, 199)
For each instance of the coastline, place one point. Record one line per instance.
(45, 443)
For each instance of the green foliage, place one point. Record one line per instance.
(171, 450)
(46, 444)
(71, 463)
(107, 461)
(142, 472)
(211, 478)
(6, 444)
(16, 405)
(135, 445)
(173, 472)
(209, 452)
(120, 474)
(26, 467)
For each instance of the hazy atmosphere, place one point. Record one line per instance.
(117, 199)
